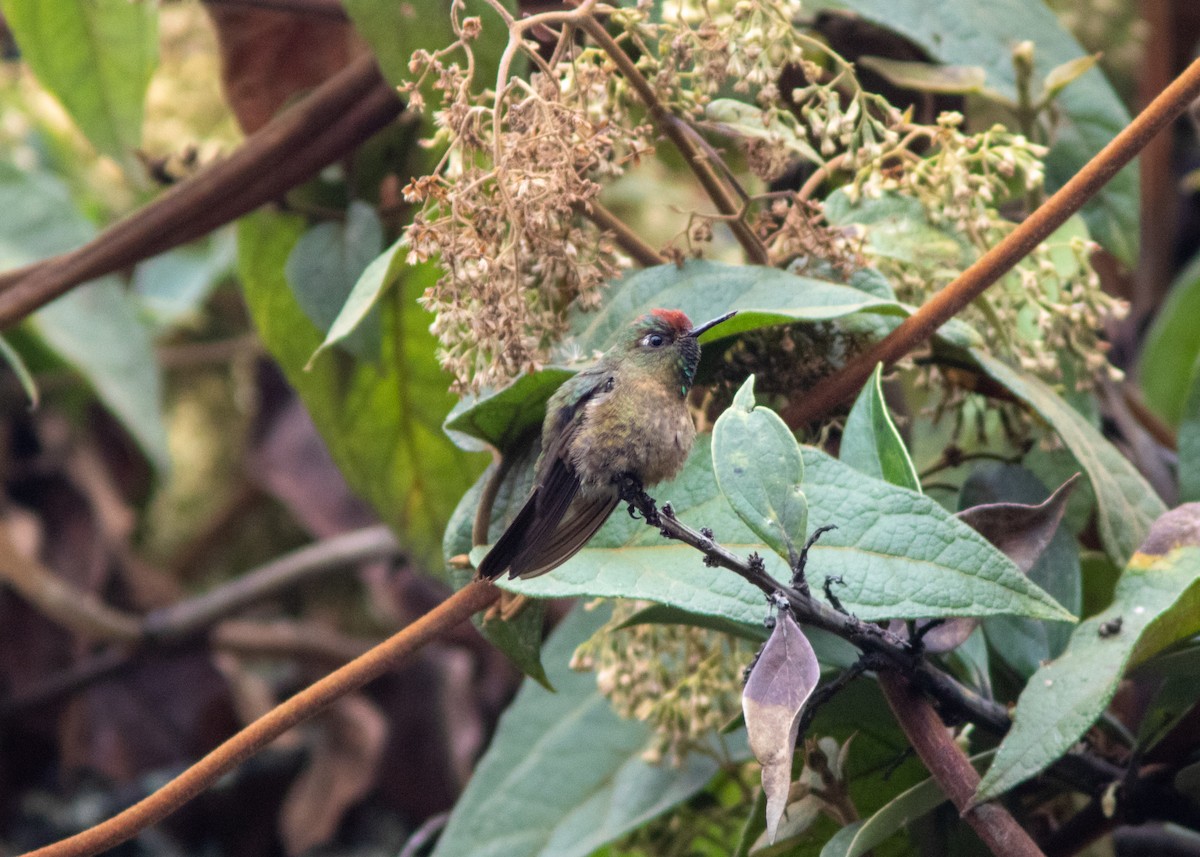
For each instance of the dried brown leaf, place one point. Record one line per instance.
(780, 682)
(341, 772)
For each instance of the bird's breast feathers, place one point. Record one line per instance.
(639, 427)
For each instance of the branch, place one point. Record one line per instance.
(318, 8)
(837, 388)
(952, 770)
(626, 238)
(954, 700)
(125, 825)
(323, 128)
(677, 132)
(196, 614)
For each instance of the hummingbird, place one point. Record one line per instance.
(624, 420)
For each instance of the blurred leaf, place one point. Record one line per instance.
(96, 327)
(871, 443)
(982, 32)
(784, 675)
(374, 280)
(96, 57)
(928, 77)
(896, 227)
(758, 468)
(98, 330)
(395, 31)
(762, 296)
(324, 268)
(1170, 358)
(382, 421)
(20, 370)
(339, 772)
(941, 567)
(564, 774)
(1126, 505)
(1156, 604)
(1062, 76)
(1026, 643)
(859, 838)
(1188, 443)
(172, 286)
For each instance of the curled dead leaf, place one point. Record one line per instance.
(780, 683)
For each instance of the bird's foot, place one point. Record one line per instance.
(634, 493)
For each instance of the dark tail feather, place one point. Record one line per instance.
(511, 543)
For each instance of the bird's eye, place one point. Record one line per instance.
(654, 340)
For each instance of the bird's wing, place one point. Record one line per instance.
(555, 487)
(576, 527)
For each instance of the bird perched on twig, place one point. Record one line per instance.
(622, 422)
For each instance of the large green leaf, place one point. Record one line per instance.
(504, 418)
(97, 327)
(901, 555)
(1156, 604)
(1126, 504)
(703, 290)
(97, 57)
(564, 774)
(1171, 354)
(983, 33)
(382, 421)
(759, 469)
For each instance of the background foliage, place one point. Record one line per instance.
(301, 312)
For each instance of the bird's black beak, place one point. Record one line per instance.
(700, 328)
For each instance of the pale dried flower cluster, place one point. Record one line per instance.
(1048, 312)
(684, 681)
(501, 215)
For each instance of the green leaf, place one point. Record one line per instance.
(982, 33)
(762, 296)
(564, 774)
(759, 469)
(382, 421)
(900, 553)
(1126, 505)
(1156, 604)
(507, 417)
(908, 806)
(324, 267)
(927, 77)
(1171, 353)
(96, 57)
(396, 30)
(96, 327)
(871, 442)
(1188, 442)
